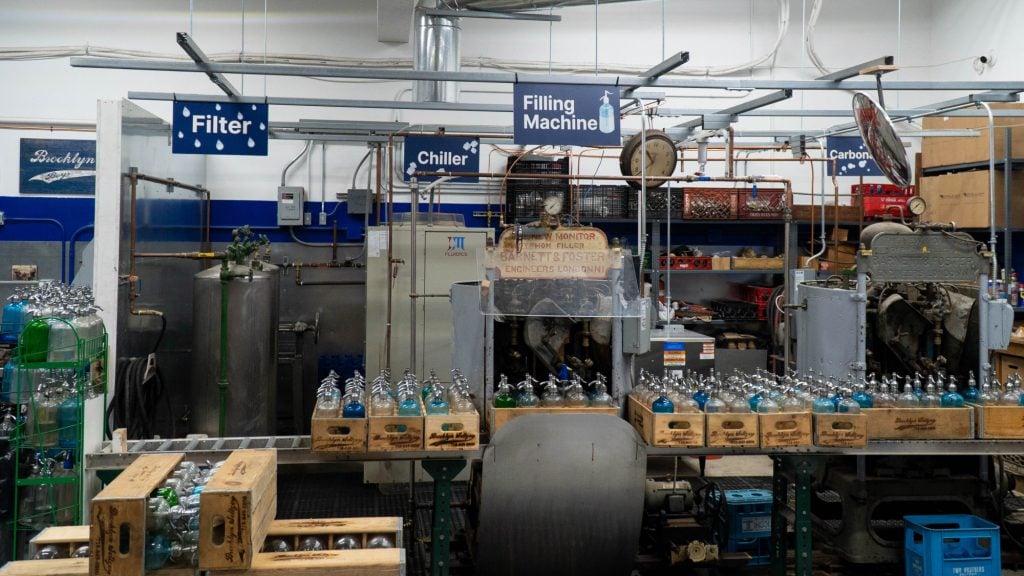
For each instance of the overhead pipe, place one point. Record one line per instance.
(436, 48)
(992, 189)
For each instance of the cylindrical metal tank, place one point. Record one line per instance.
(252, 351)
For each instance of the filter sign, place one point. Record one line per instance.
(220, 128)
(566, 114)
(441, 155)
(851, 156)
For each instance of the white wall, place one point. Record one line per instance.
(714, 31)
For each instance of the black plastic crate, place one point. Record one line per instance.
(601, 202)
(524, 198)
(656, 203)
(734, 309)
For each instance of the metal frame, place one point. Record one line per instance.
(492, 15)
(201, 59)
(742, 108)
(854, 71)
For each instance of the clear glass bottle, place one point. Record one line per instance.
(527, 397)
(504, 397)
(346, 542)
(713, 405)
(551, 397)
(574, 394)
(740, 404)
(884, 399)
(930, 398)
(1010, 395)
(908, 399)
(601, 396)
(847, 405)
(793, 403)
(768, 405)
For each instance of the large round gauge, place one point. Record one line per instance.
(553, 205)
(657, 161)
(917, 205)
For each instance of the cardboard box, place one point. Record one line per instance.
(950, 151)
(963, 198)
(721, 263)
(842, 256)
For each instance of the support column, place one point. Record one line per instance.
(443, 472)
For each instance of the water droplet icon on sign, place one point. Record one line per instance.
(239, 115)
(186, 112)
(198, 143)
(217, 107)
(181, 134)
(263, 126)
(220, 145)
(253, 106)
(251, 143)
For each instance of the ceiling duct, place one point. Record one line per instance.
(436, 40)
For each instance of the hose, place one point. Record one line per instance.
(133, 405)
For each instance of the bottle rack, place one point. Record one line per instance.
(48, 428)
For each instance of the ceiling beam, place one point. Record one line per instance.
(739, 109)
(196, 54)
(854, 71)
(322, 102)
(492, 15)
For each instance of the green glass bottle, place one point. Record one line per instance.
(504, 398)
(35, 341)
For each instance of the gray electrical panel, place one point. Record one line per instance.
(675, 350)
(359, 201)
(290, 202)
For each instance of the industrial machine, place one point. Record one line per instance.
(675, 351)
(426, 258)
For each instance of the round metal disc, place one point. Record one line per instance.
(881, 139)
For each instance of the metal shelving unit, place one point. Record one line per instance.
(44, 434)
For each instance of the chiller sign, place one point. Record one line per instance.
(220, 128)
(433, 157)
(566, 114)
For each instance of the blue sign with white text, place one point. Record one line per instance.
(58, 166)
(852, 157)
(566, 114)
(441, 155)
(220, 128)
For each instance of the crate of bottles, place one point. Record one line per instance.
(951, 544)
(709, 204)
(117, 539)
(672, 262)
(49, 567)
(998, 422)
(61, 542)
(330, 432)
(760, 204)
(841, 430)
(453, 431)
(671, 430)
(330, 547)
(733, 430)
(387, 433)
(920, 423)
(786, 429)
(502, 416)
(235, 509)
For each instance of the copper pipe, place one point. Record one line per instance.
(187, 255)
(730, 152)
(531, 176)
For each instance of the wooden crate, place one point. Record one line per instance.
(117, 539)
(673, 430)
(58, 567)
(372, 562)
(756, 263)
(786, 429)
(920, 423)
(236, 508)
(841, 430)
(335, 434)
(729, 430)
(363, 527)
(451, 432)
(330, 562)
(65, 538)
(395, 434)
(999, 422)
(502, 416)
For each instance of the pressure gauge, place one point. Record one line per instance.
(659, 162)
(553, 205)
(916, 205)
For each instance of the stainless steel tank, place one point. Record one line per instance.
(252, 351)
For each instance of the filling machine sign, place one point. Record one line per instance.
(220, 128)
(566, 114)
(441, 155)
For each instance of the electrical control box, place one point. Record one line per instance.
(674, 350)
(359, 201)
(290, 203)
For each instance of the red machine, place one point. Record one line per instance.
(882, 199)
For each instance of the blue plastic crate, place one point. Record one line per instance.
(758, 548)
(748, 513)
(951, 545)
